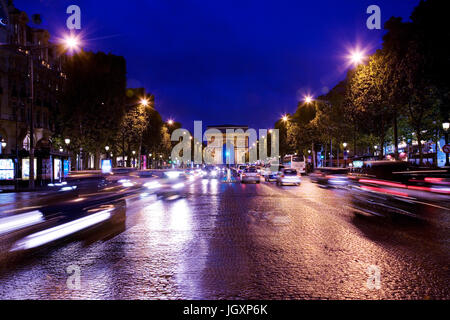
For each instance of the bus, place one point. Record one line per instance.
(297, 162)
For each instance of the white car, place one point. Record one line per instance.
(250, 175)
(289, 176)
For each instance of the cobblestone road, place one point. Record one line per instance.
(233, 241)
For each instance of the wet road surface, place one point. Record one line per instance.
(234, 241)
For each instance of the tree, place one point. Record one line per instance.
(370, 95)
(93, 101)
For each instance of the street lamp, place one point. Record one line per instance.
(4, 144)
(144, 102)
(71, 43)
(446, 126)
(345, 154)
(107, 148)
(170, 122)
(308, 99)
(67, 141)
(356, 57)
(285, 118)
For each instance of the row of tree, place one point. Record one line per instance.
(400, 93)
(97, 110)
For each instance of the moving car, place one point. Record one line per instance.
(272, 171)
(330, 177)
(393, 188)
(288, 176)
(172, 183)
(211, 172)
(250, 175)
(241, 168)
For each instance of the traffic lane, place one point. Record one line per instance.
(64, 217)
(228, 241)
(138, 263)
(291, 246)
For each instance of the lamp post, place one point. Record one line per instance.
(67, 142)
(71, 44)
(4, 144)
(345, 154)
(107, 149)
(446, 126)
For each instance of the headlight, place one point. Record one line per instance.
(173, 174)
(152, 185)
(178, 186)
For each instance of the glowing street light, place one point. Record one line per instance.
(345, 144)
(144, 102)
(107, 148)
(170, 122)
(4, 144)
(356, 57)
(67, 141)
(71, 43)
(285, 118)
(446, 126)
(308, 99)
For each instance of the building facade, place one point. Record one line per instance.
(19, 43)
(234, 147)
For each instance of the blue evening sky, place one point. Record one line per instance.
(226, 62)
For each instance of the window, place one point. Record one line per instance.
(26, 143)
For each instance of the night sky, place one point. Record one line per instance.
(226, 62)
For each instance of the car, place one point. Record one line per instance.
(330, 177)
(392, 189)
(250, 175)
(288, 176)
(171, 183)
(240, 169)
(211, 172)
(271, 172)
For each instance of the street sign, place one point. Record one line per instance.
(446, 148)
